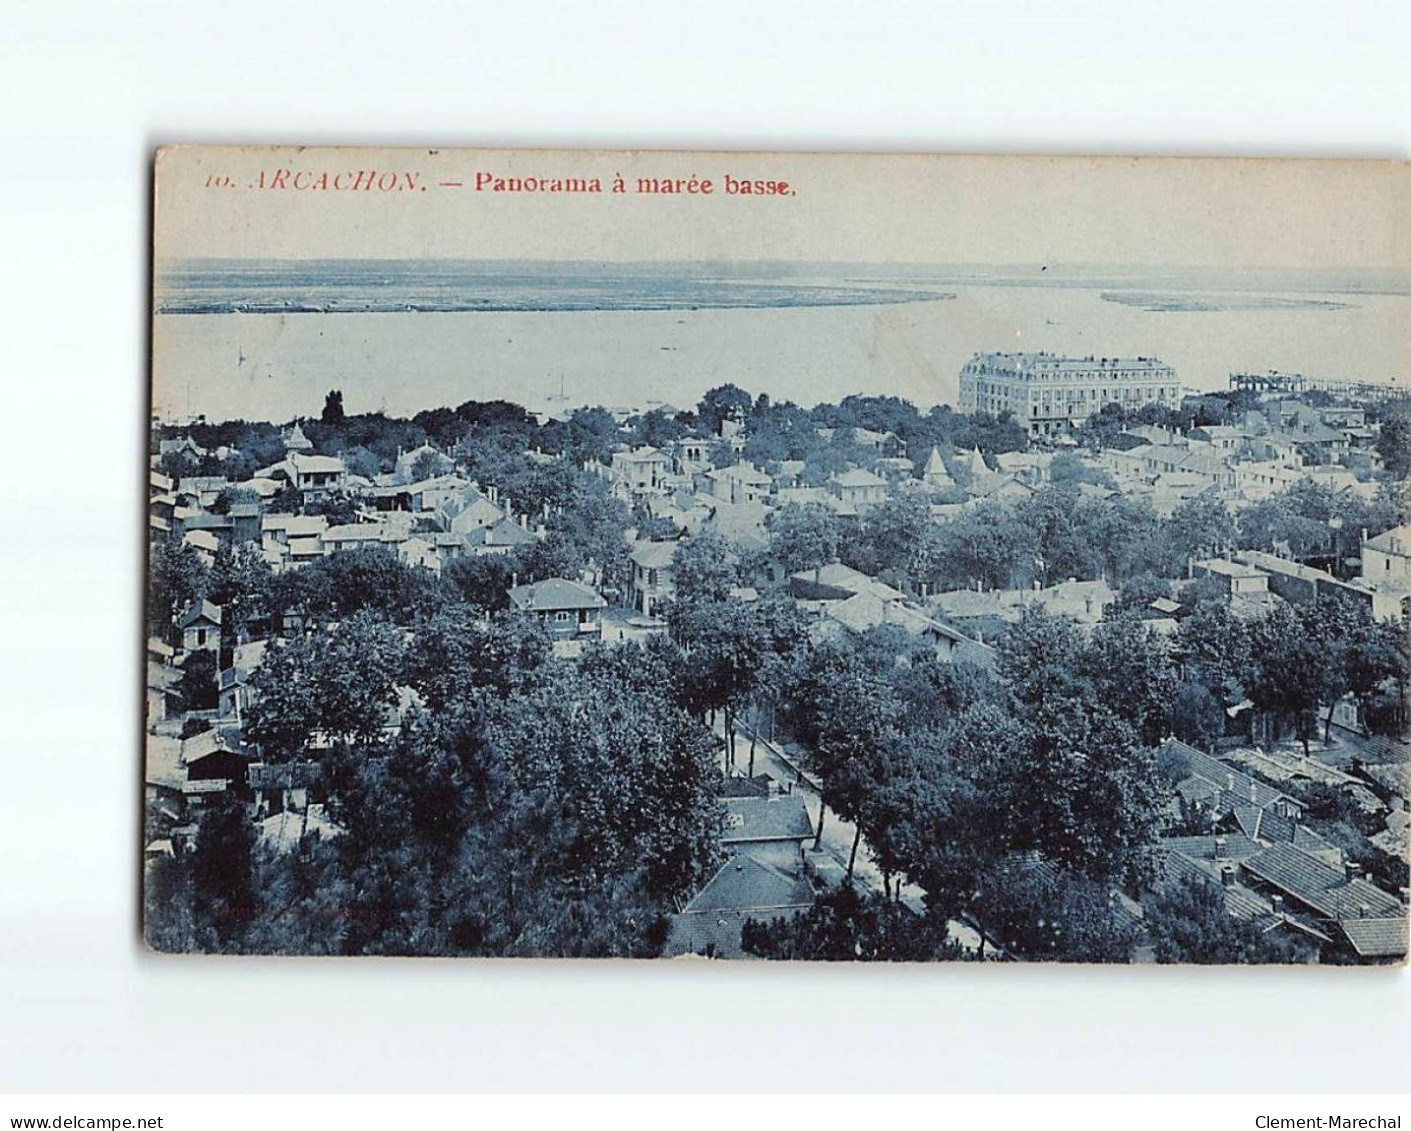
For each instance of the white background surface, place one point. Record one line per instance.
(86, 91)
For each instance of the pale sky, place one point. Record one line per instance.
(1153, 212)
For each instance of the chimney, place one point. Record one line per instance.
(1351, 871)
(1253, 792)
(1219, 848)
(514, 580)
(1230, 781)
(1227, 875)
(1277, 901)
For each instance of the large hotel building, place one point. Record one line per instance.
(1051, 395)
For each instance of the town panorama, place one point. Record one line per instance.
(1085, 668)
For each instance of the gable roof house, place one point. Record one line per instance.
(406, 462)
(364, 536)
(772, 829)
(866, 610)
(836, 582)
(235, 689)
(161, 680)
(432, 494)
(1216, 861)
(311, 475)
(641, 469)
(858, 489)
(738, 483)
(463, 514)
(200, 627)
(744, 888)
(652, 578)
(1230, 794)
(499, 537)
(216, 755)
(1371, 922)
(1386, 562)
(570, 610)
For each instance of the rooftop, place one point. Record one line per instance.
(857, 477)
(200, 610)
(780, 816)
(1322, 887)
(1048, 363)
(1397, 540)
(1377, 938)
(554, 594)
(654, 555)
(1218, 777)
(745, 884)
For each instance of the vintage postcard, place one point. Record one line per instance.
(778, 556)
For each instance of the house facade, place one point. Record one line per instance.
(569, 610)
(652, 579)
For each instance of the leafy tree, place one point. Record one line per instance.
(1394, 439)
(847, 713)
(1197, 716)
(631, 776)
(1213, 649)
(1124, 533)
(894, 539)
(1093, 787)
(704, 570)
(333, 408)
(340, 682)
(339, 507)
(286, 500)
(428, 465)
(847, 925)
(232, 496)
(653, 528)
(481, 579)
(240, 583)
(1357, 655)
(1137, 594)
(656, 429)
(198, 687)
(176, 578)
(1188, 924)
(1063, 549)
(222, 874)
(557, 555)
(804, 536)
(458, 659)
(1288, 671)
(1042, 913)
(724, 402)
(1130, 668)
(988, 546)
(1199, 527)
(1067, 468)
(350, 581)
(596, 524)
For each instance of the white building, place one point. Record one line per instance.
(1051, 395)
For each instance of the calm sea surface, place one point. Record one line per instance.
(797, 339)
